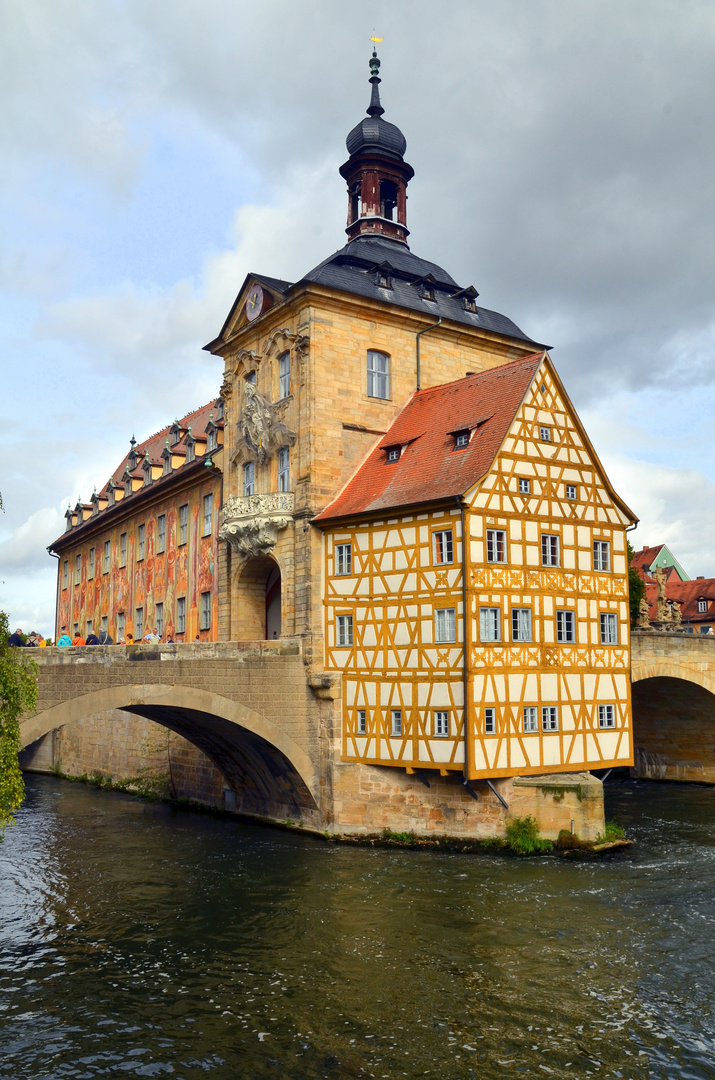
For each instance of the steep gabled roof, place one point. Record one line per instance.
(430, 468)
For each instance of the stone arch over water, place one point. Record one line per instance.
(674, 724)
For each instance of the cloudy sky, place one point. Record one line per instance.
(154, 152)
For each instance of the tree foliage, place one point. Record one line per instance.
(636, 587)
(18, 694)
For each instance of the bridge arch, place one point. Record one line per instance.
(673, 705)
(271, 774)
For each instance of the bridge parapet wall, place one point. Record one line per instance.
(665, 654)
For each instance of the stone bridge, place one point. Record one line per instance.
(673, 688)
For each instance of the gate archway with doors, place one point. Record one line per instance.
(258, 600)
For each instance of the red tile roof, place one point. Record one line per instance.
(429, 467)
(687, 594)
(645, 557)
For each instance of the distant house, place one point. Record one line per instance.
(648, 559)
(696, 597)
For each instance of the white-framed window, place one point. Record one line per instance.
(496, 545)
(441, 723)
(205, 623)
(183, 523)
(208, 514)
(141, 538)
(550, 554)
(609, 628)
(120, 625)
(181, 615)
(531, 718)
(139, 624)
(397, 721)
(549, 718)
(565, 626)
(445, 625)
(545, 434)
(601, 555)
(702, 606)
(343, 559)
(284, 469)
(107, 556)
(393, 453)
(90, 568)
(362, 721)
(606, 716)
(524, 486)
(159, 616)
(443, 547)
(284, 375)
(249, 479)
(344, 630)
(490, 624)
(490, 721)
(461, 439)
(378, 374)
(161, 534)
(571, 491)
(77, 569)
(521, 624)
(65, 573)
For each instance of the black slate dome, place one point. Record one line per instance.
(373, 131)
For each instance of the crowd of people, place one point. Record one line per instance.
(34, 640)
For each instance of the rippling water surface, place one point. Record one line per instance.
(136, 941)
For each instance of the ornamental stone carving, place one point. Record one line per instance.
(251, 525)
(259, 429)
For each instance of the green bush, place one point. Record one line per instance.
(612, 831)
(522, 836)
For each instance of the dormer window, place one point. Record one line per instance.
(461, 440)
(147, 472)
(220, 409)
(128, 486)
(167, 463)
(393, 453)
(427, 291)
(190, 449)
(702, 606)
(545, 434)
(211, 443)
(175, 433)
(383, 279)
(470, 305)
(131, 460)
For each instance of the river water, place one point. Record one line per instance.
(139, 941)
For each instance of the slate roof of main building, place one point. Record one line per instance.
(430, 468)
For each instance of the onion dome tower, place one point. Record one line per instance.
(376, 172)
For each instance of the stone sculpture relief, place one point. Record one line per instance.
(251, 525)
(259, 429)
(662, 605)
(643, 616)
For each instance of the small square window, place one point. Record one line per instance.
(343, 559)
(550, 555)
(443, 547)
(445, 629)
(702, 606)
(601, 555)
(441, 723)
(531, 718)
(397, 721)
(344, 630)
(545, 434)
(609, 628)
(496, 546)
(565, 626)
(490, 721)
(393, 453)
(461, 439)
(361, 722)
(549, 718)
(606, 716)
(489, 624)
(524, 486)
(571, 492)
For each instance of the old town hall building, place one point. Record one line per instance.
(404, 486)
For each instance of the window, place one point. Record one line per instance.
(606, 716)
(443, 549)
(461, 439)
(397, 721)
(549, 550)
(571, 491)
(531, 718)
(545, 434)
(88, 631)
(90, 569)
(609, 628)
(167, 463)
(704, 629)
(183, 523)
(490, 721)
(141, 536)
(161, 534)
(549, 718)
(120, 626)
(378, 375)
(123, 549)
(139, 624)
(524, 486)
(361, 722)
(181, 615)
(521, 624)
(445, 628)
(344, 630)
(190, 450)
(496, 545)
(251, 378)
(107, 555)
(284, 469)
(75, 629)
(601, 555)
(702, 606)
(489, 624)
(65, 573)
(77, 569)
(208, 514)
(393, 453)
(441, 723)
(105, 623)
(211, 440)
(249, 478)
(205, 611)
(159, 616)
(565, 626)
(343, 559)
(284, 375)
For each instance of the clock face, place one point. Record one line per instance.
(254, 303)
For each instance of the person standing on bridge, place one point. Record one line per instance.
(17, 639)
(78, 639)
(104, 638)
(64, 639)
(92, 639)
